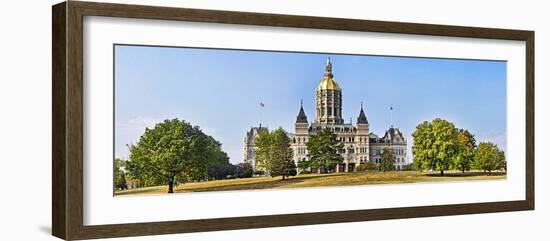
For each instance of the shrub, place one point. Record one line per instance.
(243, 170)
(367, 166)
(409, 167)
(259, 173)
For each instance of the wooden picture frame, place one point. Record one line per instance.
(67, 123)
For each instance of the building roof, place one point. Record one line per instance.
(251, 135)
(301, 118)
(394, 135)
(362, 119)
(328, 82)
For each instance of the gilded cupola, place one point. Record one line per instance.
(328, 82)
(329, 98)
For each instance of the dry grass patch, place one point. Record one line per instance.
(318, 180)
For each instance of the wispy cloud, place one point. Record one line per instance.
(128, 132)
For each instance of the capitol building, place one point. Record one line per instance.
(359, 144)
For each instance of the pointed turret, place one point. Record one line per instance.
(362, 119)
(302, 118)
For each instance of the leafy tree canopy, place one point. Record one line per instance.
(274, 153)
(488, 157)
(388, 160)
(465, 150)
(119, 174)
(244, 170)
(435, 145)
(323, 149)
(173, 150)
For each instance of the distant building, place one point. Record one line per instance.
(360, 146)
(250, 145)
(394, 140)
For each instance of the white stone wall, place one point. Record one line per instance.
(399, 151)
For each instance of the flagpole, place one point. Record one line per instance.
(261, 113)
(391, 116)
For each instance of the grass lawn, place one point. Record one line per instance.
(317, 180)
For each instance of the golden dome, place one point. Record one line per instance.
(328, 83)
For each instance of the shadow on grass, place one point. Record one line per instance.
(308, 180)
(466, 174)
(143, 190)
(275, 183)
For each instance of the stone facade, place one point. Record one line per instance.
(359, 145)
(250, 145)
(393, 139)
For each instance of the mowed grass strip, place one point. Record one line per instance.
(317, 180)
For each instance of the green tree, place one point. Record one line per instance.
(388, 160)
(119, 174)
(304, 165)
(290, 169)
(264, 144)
(435, 145)
(217, 163)
(172, 151)
(465, 150)
(207, 153)
(243, 170)
(488, 157)
(274, 153)
(218, 171)
(323, 149)
(422, 146)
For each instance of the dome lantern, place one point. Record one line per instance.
(328, 82)
(329, 98)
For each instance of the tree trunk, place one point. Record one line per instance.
(463, 170)
(283, 177)
(171, 186)
(441, 173)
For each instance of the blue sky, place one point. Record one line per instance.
(221, 91)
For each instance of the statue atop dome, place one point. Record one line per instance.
(328, 68)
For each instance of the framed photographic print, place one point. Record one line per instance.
(160, 114)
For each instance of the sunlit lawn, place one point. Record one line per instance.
(318, 180)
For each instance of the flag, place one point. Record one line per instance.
(262, 104)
